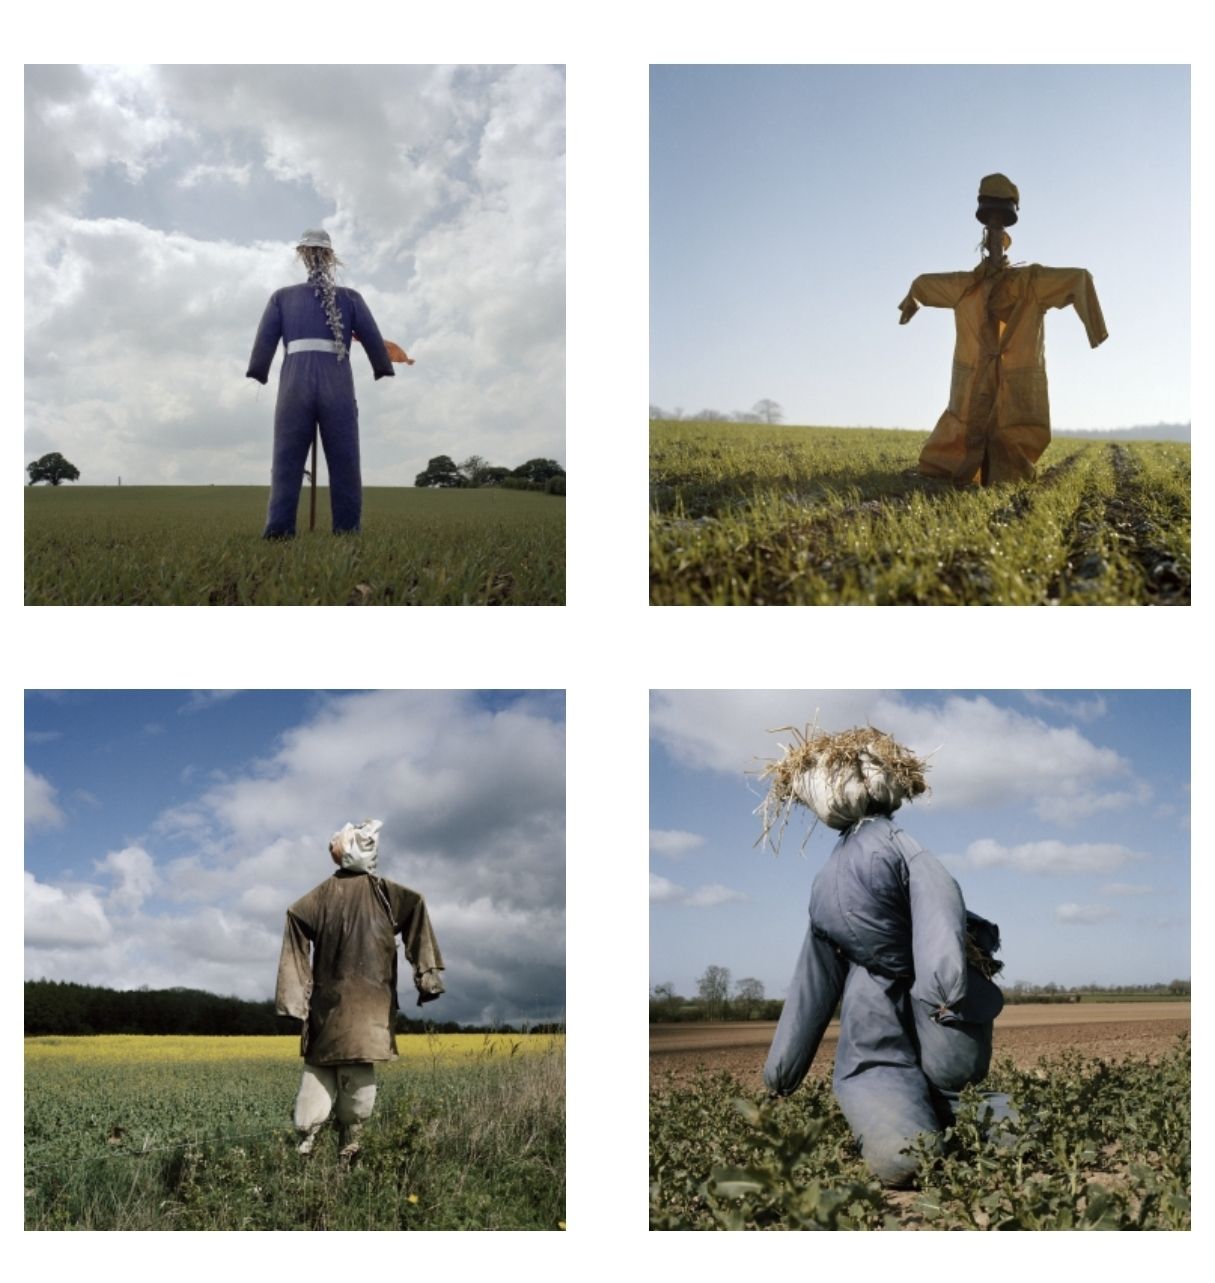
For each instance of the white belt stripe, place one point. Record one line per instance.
(312, 345)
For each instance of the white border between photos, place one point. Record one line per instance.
(607, 648)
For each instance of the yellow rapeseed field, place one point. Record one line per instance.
(169, 1048)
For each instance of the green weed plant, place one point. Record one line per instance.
(1094, 1145)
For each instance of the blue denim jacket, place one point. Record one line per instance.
(885, 905)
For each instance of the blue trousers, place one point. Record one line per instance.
(315, 389)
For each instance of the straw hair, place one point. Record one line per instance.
(861, 755)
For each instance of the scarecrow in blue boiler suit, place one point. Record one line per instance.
(317, 322)
(890, 936)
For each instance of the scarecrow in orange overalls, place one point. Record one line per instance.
(997, 423)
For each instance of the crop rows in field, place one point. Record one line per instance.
(746, 515)
(467, 1132)
(1095, 1145)
(201, 546)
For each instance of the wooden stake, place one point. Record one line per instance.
(312, 505)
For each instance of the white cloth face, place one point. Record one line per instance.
(359, 845)
(350, 1087)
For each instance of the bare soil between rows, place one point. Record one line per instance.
(1026, 1032)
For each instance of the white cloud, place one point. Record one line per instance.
(708, 896)
(674, 843)
(663, 890)
(63, 919)
(201, 700)
(472, 800)
(42, 737)
(1127, 888)
(1051, 856)
(1083, 915)
(445, 187)
(196, 175)
(40, 805)
(134, 873)
(980, 754)
(1086, 710)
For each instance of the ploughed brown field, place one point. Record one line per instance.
(1024, 1031)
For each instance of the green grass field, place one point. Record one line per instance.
(751, 515)
(1098, 1145)
(121, 1137)
(201, 546)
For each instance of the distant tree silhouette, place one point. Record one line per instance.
(53, 468)
(441, 471)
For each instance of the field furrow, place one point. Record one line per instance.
(745, 515)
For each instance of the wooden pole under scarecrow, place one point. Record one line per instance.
(997, 423)
(397, 353)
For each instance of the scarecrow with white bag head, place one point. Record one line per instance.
(338, 974)
(889, 934)
(317, 322)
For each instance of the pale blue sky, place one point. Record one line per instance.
(791, 207)
(1064, 816)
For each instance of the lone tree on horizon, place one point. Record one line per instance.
(53, 468)
(768, 411)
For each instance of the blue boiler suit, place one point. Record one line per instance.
(314, 388)
(888, 934)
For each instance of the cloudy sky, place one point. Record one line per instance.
(167, 831)
(162, 209)
(1064, 816)
(791, 208)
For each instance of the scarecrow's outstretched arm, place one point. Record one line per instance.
(1059, 286)
(814, 993)
(369, 336)
(394, 350)
(269, 332)
(935, 289)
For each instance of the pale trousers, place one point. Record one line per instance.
(350, 1087)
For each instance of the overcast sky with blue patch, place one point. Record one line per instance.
(162, 209)
(167, 832)
(1064, 816)
(791, 208)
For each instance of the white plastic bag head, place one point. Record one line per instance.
(843, 794)
(356, 847)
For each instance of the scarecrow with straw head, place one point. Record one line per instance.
(317, 321)
(890, 937)
(338, 974)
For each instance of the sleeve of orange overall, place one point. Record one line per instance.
(1059, 286)
(935, 289)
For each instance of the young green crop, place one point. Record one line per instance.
(1095, 1145)
(467, 1133)
(200, 546)
(750, 515)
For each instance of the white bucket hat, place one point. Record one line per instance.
(314, 237)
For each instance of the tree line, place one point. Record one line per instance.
(443, 473)
(763, 411)
(65, 1007)
(719, 999)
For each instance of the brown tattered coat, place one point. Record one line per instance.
(998, 405)
(338, 968)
